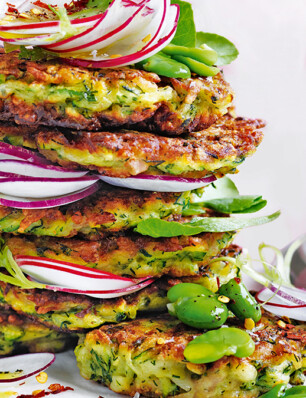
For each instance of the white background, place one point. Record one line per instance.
(269, 81)
(269, 78)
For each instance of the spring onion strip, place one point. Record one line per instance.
(16, 277)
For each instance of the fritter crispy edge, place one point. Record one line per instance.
(54, 94)
(146, 356)
(68, 312)
(217, 150)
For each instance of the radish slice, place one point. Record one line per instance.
(168, 32)
(159, 183)
(25, 168)
(8, 151)
(73, 278)
(127, 32)
(281, 306)
(28, 365)
(47, 203)
(33, 187)
(102, 294)
(105, 32)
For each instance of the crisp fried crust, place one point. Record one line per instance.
(146, 356)
(54, 94)
(19, 334)
(109, 210)
(216, 150)
(68, 312)
(128, 254)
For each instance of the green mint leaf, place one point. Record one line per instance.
(221, 188)
(34, 54)
(239, 204)
(186, 31)
(157, 228)
(102, 5)
(226, 50)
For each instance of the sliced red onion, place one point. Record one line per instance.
(29, 364)
(25, 168)
(8, 151)
(281, 306)
(168, 32)
(47, 203)
(78, 279)
(33, 187)
(289, 294)
(159, 183)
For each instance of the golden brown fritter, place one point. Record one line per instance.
(217, 150)
(19, 334)
(54, 94)
(110, 209)
(67, 312)
(128, 254)
(146, 356)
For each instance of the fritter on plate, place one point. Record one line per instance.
(218, 150)
(146, 356)
(54, 94)
(18, 334)
(128, 254)
(108, 210)
(67, 312)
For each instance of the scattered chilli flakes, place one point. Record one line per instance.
(54, 389)
(76, 5)
(41, 4)
(11, 9)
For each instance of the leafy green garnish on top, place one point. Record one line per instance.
(226, 50)
(223, 196)
(186, 31)
(157, 228)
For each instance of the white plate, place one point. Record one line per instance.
(65, 372)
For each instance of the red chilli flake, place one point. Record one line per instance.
(55, 389)
(41, 4)
(76, 6)
(238, 280)
(11, 9)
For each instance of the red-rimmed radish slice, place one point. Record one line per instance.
(8, 151)
(74, 278)
(33, 187)
(158, 183)
(168, 32)
(282, 306)
(117, 22)
(102, 294)
(78, 269)
(47, 203)
(28, 365)
(25, 168)
(142, 27)
(31, 41)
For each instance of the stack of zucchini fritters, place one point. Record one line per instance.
(121, 123)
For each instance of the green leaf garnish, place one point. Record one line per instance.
(16, 277)
(186, 31)
(157, 228)
(34, 54)
(239, 204)
(226, 50)
(223, 196)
